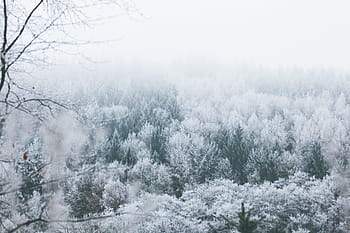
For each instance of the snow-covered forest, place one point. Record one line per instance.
(186, 116)
(210, 152)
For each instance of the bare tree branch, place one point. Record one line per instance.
(3, 48)
(24, 26)
(27, 223)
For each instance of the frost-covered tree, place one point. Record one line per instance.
(235, 147)
(29, 32)
(315, 162)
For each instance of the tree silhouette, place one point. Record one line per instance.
(246, 224)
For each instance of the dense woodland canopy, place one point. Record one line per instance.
(254, 152)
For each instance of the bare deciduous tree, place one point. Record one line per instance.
(29, 29)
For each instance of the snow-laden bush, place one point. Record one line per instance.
(152, 177)
(114, 194)
(297, 204)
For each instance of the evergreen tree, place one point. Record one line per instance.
(113, 148)
(30, 169)
(84, 196)
(245, 224)
(158, 146)
(315, 163)
(235, 148)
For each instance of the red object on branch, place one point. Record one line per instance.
(25, 155)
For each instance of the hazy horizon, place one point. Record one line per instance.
(274, 34)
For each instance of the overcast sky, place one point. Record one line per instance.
(304, 33)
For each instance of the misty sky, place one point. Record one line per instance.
(304, 33)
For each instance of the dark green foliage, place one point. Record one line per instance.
(315, 163)
(177, 186)
(86, 199)
(132, 123)
(246, 224)
(290, 143)
(114, 151)
(206, 165)
(129, 159)
(88, 151)
(236, 149)
(30, 169)
(266, 162)
(156, 106)
(266, 166)
(343, 162)
(158, 146)
(32, 181)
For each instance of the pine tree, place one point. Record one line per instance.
(30, 169)
(315, 162)
(245, 224)
(158, 146)
(236, 149)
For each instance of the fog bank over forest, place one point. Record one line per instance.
(180, 148)
(175, 116)
(194, 73)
